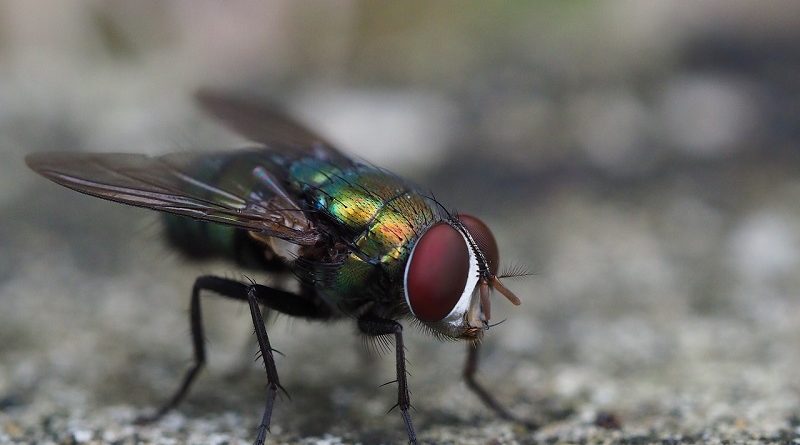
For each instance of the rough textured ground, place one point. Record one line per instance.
(641, 160)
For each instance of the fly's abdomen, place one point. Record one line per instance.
(198, 239)
(201, 240)
(204, 240)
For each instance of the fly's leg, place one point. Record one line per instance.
(303, 305)
(375, 326)
(470, 368)
(273, 384)
(221, 286)
(300, 305)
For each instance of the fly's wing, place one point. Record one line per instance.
(234, 188)
(266, 124)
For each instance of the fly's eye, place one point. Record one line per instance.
(483, 236)
(437, 272)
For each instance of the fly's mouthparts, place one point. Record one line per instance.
(473, 333)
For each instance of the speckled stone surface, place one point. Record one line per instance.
(641, 161)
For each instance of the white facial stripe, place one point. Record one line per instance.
(456, 316)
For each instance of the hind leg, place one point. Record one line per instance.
(287, 302)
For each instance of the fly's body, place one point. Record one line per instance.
(362, 242)
(371, 216)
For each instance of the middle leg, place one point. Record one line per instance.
(301, 305)
(273, 384)
(375, 326)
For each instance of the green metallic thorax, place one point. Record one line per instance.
(380, 215)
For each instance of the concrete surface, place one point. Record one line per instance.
(642, 161)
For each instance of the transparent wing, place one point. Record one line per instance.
(266, 124)
(234, 188)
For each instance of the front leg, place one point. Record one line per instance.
(470, 368)
(375, 326)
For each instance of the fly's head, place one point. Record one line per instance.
(450, 276)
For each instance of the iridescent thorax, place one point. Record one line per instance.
(381, 214)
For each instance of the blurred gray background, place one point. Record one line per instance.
(641, 158)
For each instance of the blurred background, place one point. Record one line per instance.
(642, 159)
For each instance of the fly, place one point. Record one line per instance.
(362, 243)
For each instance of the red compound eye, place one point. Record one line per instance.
(483, 236)
(437, 272)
